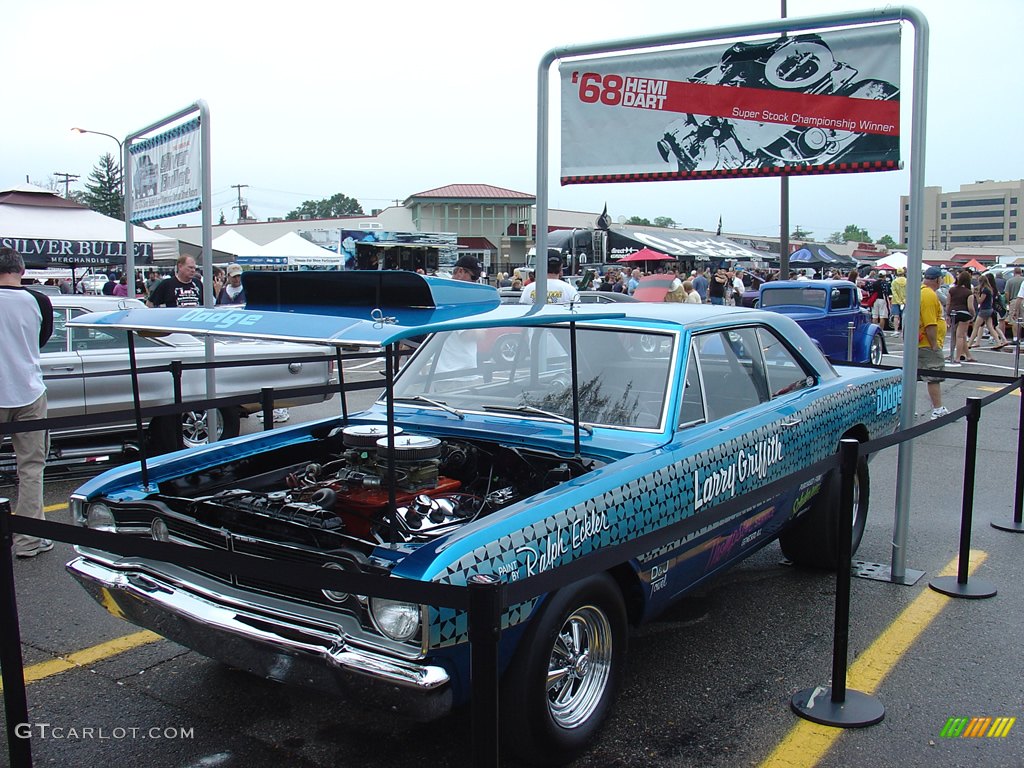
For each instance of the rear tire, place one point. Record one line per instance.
(812, 540)
(194, 429)
(564, 678)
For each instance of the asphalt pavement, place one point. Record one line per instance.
(708, 684)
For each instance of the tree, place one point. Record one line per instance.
(103, 189)
(801, 234)
(664, 221)
(888, 242)
(852, 234)
(328, 208)
(639, 220)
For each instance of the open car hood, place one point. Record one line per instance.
(368, 309)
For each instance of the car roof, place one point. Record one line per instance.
(94, 303)
(369, 322)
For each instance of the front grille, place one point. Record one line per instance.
(189, 532)
(309, 594)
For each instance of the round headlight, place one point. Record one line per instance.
(100, 518)
(396, 620)
(333, 595)
(159, 530)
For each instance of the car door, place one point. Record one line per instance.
(62, 370)
(741, 422)
(103, 351)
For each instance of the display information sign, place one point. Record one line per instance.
(806, 104)
(166, 173)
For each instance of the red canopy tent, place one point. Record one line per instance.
(975, 265)
(646, 254)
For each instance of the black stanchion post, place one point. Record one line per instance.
(136, 401)
(341, 384)
(957, 586)
(267, 405)
(485, 607)
(19, 747)
(835, 705)
(1017, 524)
(176, 371)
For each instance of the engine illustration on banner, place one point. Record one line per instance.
(792, 105)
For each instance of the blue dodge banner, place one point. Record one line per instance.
(810, 103)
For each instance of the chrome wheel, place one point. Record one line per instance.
(579, 667)
(875, 354)
(195, 429)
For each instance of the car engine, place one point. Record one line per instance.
(440, 485)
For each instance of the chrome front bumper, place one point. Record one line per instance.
(272, 646)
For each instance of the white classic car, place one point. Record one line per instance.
(72, 357)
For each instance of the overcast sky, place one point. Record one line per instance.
(381, 101)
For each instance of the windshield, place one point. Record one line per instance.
(622, 379)
(806, 297)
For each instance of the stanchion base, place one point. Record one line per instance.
(862, 569)
(974, 589)
(1013, 526)
(858, 711)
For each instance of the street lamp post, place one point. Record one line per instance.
(120, 157)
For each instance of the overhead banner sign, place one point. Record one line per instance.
(808, 104)
(166, 176)
(40, 252)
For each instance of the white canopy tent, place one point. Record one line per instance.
(299, 252)
(239, 245)
(47, 229)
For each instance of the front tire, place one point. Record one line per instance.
(812, 540)
(566, 673)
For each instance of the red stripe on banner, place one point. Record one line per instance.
(735, 173)
(766, 106)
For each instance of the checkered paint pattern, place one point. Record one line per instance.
(661, 496)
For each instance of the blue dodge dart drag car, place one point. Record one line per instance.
(608, 423)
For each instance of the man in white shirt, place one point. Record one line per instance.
(27, 321)
(559, 291)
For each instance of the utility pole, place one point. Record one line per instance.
(67, 179)
(243, 207)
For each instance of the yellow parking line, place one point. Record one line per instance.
(985, 388)
(55, 507)
(807, 742)
(88, 656)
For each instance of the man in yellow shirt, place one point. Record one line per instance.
(931, 335)
(899, 299)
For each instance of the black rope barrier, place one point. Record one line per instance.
(483, 599)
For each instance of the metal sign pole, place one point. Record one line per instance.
(917, 154)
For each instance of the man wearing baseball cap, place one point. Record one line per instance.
(931, 335)
(467, 269)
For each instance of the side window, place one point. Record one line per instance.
(693, 398)
(59, 339)
(85, 339)
(784, 372)
(732, 369)
(841, 299)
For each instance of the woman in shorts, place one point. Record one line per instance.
(984, 296)
(961, 314)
